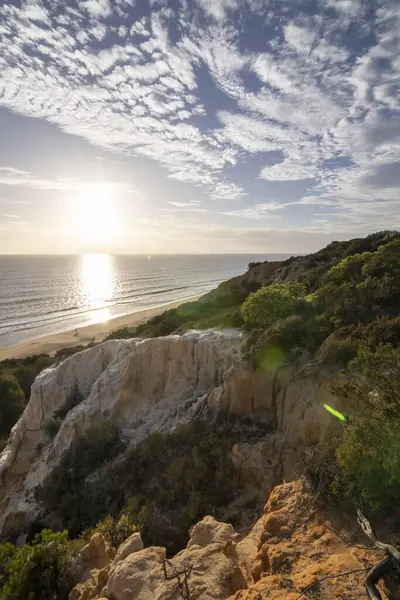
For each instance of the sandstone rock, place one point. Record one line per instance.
(132, 544)
(91, 586)
(210, 531)
(138, 576)
(285, 566)
(214, 562)
(219, 565)
(96, 555)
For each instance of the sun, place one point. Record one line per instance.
(94, 214)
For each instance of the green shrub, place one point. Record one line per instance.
(320, 465)
(370, 459)
(371, 243)
(163, 486)
(25, 370)
(382, 331)
(37, 571)
(74, 398)
(370, 453)
(115, 531)
(62, 492)
(25, 375)
(362, 287)
(271, 303)
(336, 352)
(12, 403)
(51, 428)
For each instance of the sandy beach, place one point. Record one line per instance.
(49, 344)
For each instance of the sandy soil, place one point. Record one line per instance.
(49, 344)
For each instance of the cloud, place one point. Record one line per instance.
(183, 204)
(15, 177)
(228, 191)
(218, 8)
(34, 11)
(97, 8)
(225, 95)
(258, 211)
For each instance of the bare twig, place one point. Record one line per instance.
(183, 583)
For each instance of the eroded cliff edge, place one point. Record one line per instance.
(150, 385)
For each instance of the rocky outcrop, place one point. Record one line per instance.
(302, 544)
(213, 562)
(152, 385)
(142, 385)
(293, 546)
(95, 556)
(132, 544)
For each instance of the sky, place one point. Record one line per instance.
(197, 126)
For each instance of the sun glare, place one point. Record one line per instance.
(98, 285)
(94, 218)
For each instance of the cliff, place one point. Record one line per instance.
(144, 386)
(309, 268)
(295, 545)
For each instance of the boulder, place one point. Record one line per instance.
(132, 544)
(96, 555)
(210, 531)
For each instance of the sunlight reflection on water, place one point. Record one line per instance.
(98, 283)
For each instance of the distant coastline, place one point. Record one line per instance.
(49, 344)
(45, 296)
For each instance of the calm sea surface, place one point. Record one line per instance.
(40, 295)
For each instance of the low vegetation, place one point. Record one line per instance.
(37, 571)
(220, 313)
(16, 378)
(346, 321)
(164, 485)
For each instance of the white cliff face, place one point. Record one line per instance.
(152, 385)
(142, 385)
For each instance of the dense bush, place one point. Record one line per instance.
(16, 378)
(75, 398)
(115, 531)
(370, 243)
(362, 464)
(37, 571)
(62, 490)
(271, 303)
(336, 352)
(164, 485)
(12, 403)
(25, 370)
(363, 287)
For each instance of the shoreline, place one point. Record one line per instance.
(49, 344)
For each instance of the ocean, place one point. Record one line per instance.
(40, 295)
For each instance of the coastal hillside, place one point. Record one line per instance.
(292, 370)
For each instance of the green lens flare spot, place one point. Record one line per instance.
(271, 358)
(334, 412)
